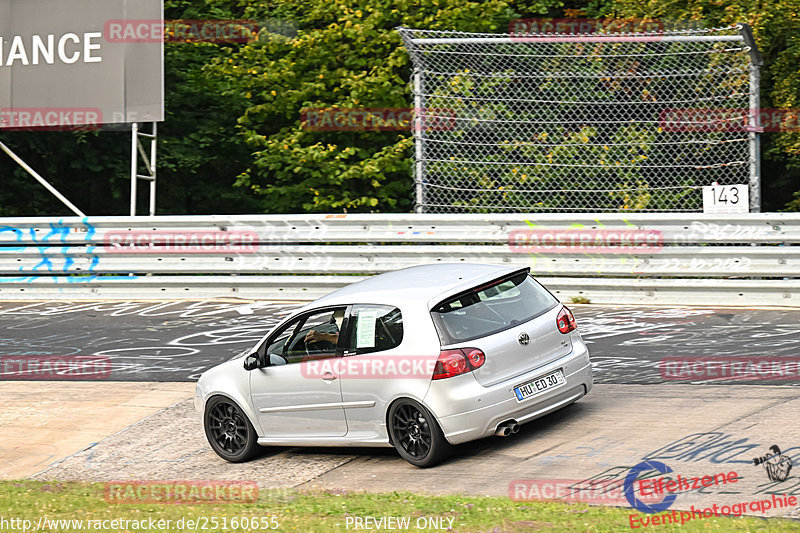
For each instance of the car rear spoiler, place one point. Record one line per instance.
(473, 284)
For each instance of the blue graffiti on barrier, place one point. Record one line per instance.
(56, 253)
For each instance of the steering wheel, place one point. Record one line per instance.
(327, 344)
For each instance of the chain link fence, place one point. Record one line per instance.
(599, 122)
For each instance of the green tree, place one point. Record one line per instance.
(347, 54)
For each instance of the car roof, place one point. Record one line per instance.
(418, 284)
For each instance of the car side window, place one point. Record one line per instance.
(311, 336)
(374, 328)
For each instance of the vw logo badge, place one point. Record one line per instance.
(524, 339)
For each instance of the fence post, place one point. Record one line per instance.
(755, 117)
(755, 141)
(419, 154)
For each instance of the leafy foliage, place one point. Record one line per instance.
(233, 139)
(346, 55)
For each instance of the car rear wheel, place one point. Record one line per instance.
(229, 431)
(416, 435)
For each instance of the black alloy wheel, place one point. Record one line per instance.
(228, 430)
(416, 435)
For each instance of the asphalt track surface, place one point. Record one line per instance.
(178, 340)
(696, 430)
(632, 415)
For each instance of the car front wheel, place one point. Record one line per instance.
(229, 431)
(416, 435)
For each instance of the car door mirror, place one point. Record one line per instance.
(276, 360)
(251, 362)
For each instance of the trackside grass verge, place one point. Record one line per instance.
(52, 506)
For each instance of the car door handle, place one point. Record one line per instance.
(328, 376)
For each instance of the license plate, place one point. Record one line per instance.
(539, 385)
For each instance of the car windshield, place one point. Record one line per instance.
(491, 308)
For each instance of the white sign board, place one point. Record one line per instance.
(67, 63)
(726, 199)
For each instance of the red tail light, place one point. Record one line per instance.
(475, 357)
(565, 321)
(456, 362)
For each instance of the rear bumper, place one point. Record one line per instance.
(466, 410)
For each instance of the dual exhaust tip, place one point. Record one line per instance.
(509, 427)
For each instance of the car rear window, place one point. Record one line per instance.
(491, 308)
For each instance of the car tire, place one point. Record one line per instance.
(228, 430)
(416, 434)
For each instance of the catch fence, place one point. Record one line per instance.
(604, 122)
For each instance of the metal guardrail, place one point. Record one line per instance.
(660, 258)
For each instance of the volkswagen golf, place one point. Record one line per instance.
(422, 359)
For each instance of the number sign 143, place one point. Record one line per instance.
(726, 199)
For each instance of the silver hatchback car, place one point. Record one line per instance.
(421, 359)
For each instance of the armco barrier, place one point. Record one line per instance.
(750, 259)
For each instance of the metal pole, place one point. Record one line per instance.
(589, 38)
(134, 165)
(41, 180)
(755, 141)
(419, 168)
(755, 117)
(153, 170)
